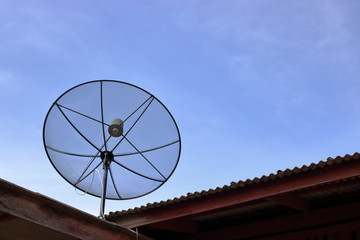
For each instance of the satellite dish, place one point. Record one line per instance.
(115, 130)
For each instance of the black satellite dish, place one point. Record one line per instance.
(115, 129)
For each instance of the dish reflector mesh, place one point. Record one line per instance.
(76, 132)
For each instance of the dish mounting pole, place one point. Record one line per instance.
(107, 157)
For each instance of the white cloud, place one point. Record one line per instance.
(42, 28)
(334, 25)
(6, 76)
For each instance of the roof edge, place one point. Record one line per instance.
(241, 184)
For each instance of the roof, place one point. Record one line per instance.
(293, 202)
(28, 215)
(297, 202)
(281, 174)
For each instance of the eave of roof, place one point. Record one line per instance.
(19, 205)
(240, 184)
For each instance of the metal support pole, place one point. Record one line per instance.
(106, 165)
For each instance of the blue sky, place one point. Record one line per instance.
(255, 86)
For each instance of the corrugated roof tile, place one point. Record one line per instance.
(240, 184)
